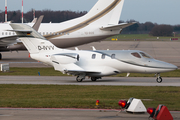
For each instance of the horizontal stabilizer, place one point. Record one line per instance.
(21, 31)
(117, 27)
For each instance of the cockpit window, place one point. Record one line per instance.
(145, 55)
(135, 54)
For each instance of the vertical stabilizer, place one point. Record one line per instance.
(105, 12)
(116, 13)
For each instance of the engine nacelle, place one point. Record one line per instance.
(65, 58)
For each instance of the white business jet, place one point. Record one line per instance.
(99, 23)
(82, 63)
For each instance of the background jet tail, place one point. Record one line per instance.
(105, 12)
(32, 40)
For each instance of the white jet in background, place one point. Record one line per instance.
(101, 22)
(82, 63)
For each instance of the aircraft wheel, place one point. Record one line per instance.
(159, 79)
(79, 79)
(93, 78)
(0, 56)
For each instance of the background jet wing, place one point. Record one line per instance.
(5, 41)
(117, 27)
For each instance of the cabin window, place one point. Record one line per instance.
(9, 33)
(103, 56)
(2, 33)
(145, 55)
(113, 56)
(93, 56)
(6, 33)
(135, 54)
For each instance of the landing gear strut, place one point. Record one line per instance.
(159, 79)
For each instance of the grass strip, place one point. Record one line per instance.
(72, 96)
(141, 37)
(51, 72)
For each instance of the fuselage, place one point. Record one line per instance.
(58, 37)
(108, 62)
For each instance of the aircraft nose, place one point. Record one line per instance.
(166, 65)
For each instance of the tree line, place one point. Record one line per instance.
(60, 16)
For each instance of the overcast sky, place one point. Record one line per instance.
(156, 11)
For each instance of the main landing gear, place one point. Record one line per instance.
(80, 78)
(95, 78)
(159, 79)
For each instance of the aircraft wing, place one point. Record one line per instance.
(5, 41)
(76, 72)
(117, 27)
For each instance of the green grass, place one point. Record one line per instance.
(140, 37)
(71, 96)
(51, 72)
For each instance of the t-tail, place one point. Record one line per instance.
(39, 47)
(33, 41)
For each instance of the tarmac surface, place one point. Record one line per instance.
(168, 51)
(72, 114)
(114, 81)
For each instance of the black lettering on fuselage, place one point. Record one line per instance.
(45, 47)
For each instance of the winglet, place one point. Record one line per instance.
(38, 22)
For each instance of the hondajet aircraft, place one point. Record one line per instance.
(101, 22)
(82, 63)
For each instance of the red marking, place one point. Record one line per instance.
(174, 38)
(163, 114)
(6, 10)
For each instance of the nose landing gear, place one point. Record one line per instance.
(159, 79)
